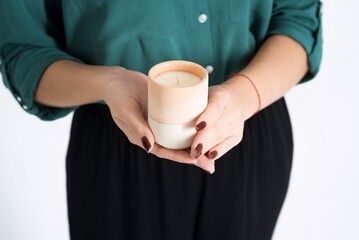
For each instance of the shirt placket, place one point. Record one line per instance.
(204, 38)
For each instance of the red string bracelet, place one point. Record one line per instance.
(254, 86)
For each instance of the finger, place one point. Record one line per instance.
(208, 120)
(213, 135)
(135, 126)
(203, 129)
(220, 149)
(205, 140)
(181, 156)
(206, 164)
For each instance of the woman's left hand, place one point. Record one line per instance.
(219, 127)
(278, 65)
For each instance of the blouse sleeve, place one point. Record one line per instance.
(300, 20)
(31, 39)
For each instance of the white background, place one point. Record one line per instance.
(323, 197)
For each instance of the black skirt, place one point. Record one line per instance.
(118, 191)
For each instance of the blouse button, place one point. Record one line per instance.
(209, 69)
(18, 98)
(25, 107)
(202, 18)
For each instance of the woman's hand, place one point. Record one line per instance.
(277, 66)
(220, 126)
(126, 95)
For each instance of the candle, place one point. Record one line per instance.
(177, 95)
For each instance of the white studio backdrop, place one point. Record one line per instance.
(323, 197)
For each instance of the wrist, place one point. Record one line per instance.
(246, 94)
(105, 81)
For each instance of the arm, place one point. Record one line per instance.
(291, 53)
(49, 83)
(67, 83)
(280, 64)
(31, 39)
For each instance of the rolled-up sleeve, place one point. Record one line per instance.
(31, 39)
(300, 20)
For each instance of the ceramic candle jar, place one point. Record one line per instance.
(177, 95)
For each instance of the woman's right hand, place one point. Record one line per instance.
(126, 95)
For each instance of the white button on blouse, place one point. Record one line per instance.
(209, 69)
(202, 18)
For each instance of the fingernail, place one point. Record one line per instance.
(201, 126)
(146, 144)
(213, 154)
(198, 151)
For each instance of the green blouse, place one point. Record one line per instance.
(221, 35)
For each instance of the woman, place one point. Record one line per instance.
(92, 56)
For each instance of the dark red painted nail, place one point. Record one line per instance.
(201, 126)
(213, 154)
(146, 144)
(198, 151)
(199, 148)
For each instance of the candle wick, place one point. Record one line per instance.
(177, 80)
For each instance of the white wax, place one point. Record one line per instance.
(177, 79)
